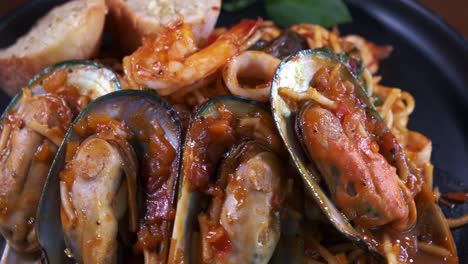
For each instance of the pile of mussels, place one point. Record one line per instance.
(94, 174)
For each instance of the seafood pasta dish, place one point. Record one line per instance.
(257, 144)
(374, 169)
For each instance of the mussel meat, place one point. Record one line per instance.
(32, 128)
(96, 188)
(243, 225)
(115, 175)
(333, 133)
(230, 202)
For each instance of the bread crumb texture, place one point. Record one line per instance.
(166, 11)
(48, 30)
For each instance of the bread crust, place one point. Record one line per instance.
(80, 42)
(128, 28)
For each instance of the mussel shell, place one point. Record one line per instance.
(431, 217)
(119, 105)
(189, 201)
(102, 81)
(239, 106)
(296, 72)
(90, 78)
(289, 42)
(238, 155)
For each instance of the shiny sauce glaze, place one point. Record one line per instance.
(350, 151)
(211, 138)
(157, 171)
(54, 110)
(349, 143)
(98, 189)
(56, 83)
(96, 124)
(249, 210)
(30, 135)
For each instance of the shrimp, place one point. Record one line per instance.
(171, 61)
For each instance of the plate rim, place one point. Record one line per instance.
(454, 60)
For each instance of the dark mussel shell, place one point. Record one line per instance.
(296, 73)
(192, 197)
(139, 110)
(90, 80)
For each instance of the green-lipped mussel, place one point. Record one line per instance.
(115, 176)
(32, 128)
(344, 151)
(231, 198)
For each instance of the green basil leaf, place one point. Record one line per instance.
(323, 12)
(236, 5)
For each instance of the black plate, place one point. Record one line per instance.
(430, 60)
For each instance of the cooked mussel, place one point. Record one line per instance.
(115, 177)
(344, 151)
(32, 128)
(230, 200)
(243, 225)
(96, 188)
(366, 188)
(289, 42)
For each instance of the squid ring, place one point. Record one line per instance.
(254, 66)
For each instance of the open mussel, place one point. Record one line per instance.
(231, 200)
(345, 152)
(32, 128)
(250, 177)
(110, 193)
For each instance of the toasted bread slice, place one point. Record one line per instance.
(130, 20)
(70, 31)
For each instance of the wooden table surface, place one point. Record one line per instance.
(455, 12)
